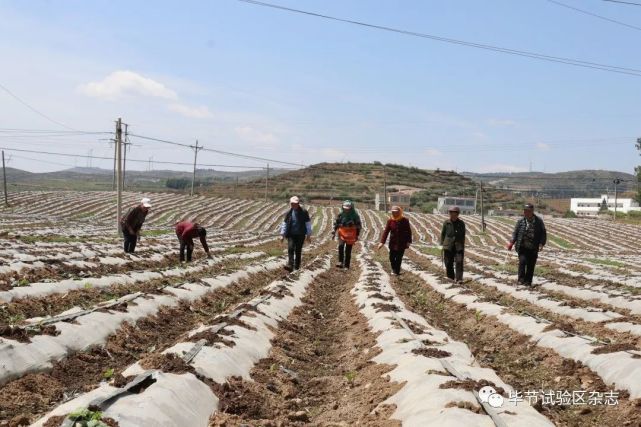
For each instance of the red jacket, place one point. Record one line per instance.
(400, 234)
(187, 231)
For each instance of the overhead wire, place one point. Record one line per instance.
(41, 114)
(128, 160)
(576, 9)
(226, 153)
(624, 2)
(543, 57)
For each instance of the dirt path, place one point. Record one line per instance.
(318, 371)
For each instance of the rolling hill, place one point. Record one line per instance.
(361, 182)
(580, 183)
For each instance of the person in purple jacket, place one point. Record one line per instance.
(400, 238)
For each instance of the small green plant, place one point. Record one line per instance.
(420, 299)
(88, 285)
(350, 376)
(84, 417)
(108, 374)
(478, 316)
(222, 305)
(23, 282)
(16, 318)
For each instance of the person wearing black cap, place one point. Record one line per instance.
(453, 243)
(528, 239)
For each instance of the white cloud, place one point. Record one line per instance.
(543, 146)
(500, 167)
(432, 152)
(120, 84)
(201, 112)
(501, 122)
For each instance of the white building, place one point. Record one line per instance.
(467, 205)
(590, 207)
(397, 198)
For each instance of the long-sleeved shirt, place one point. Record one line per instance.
(297, 223)
(400, 234)
(187, 231)
(133, 219)
(453, 235)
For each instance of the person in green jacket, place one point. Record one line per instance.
(453, 243)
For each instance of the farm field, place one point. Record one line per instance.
(234, 340)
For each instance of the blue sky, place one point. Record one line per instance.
(254, 80)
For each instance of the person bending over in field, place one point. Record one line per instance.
(186, 231)
(400, 238)
(295, 228)
(528, 239)
(348, 225)
(132, 222)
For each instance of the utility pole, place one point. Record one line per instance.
(126, 143)
(193, 177)
(236, 187)
(115, 155)
(385, 187)
(118, 172)
(4, 180)
(266, 181)
(476, 201)
(482, 211)
(616, 182)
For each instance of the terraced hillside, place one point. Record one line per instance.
(235, 340)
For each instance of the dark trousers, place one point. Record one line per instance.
(344, 254)
(527, 262)
(395, 259)
(189, 248)
(453, 258)
(130, 242)
(294, 250)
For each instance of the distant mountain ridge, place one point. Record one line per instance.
(576, 183)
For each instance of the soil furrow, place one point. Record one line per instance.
(319, 371)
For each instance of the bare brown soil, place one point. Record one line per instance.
(319, 371)
(517, 360)
(35, 394)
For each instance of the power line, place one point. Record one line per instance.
(634, 27)
(226, 153)
(129, 160)
(624, 2)
(33, 109)
(563, 60)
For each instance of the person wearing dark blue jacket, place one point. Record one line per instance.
(528, 239)
(296, 228)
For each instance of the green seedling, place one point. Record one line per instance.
(478, 316)
(23, 282)
(16, 318)
(88, 285)
(87, 418)
(108, 374)
(350, 376)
